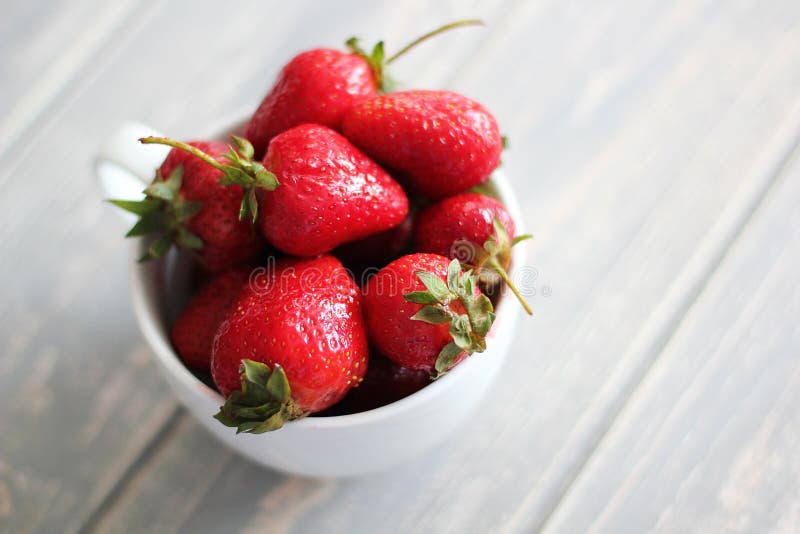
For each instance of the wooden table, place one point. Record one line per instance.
(654, 148)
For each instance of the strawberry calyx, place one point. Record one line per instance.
(241, 169)
(163, 212)
(263, 403)
(468, 330)
(377, 58)
(491, 260)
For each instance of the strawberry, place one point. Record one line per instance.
(330, 193)
(293, 343)
(443, 143)
(187, 205)
(314, 189)
(319, 86)
(424, 313)
(194, 329)
(316, 86)
(475, 229)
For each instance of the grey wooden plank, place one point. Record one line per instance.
(84, 401)
(709, 440)
(44, 45)
(652, 132)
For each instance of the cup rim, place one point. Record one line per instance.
(156, 334)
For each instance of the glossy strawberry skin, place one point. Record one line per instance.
(317, 86)
(193, 331)
(443, 143)
(443, 228)
(329, 193)
(304, 315)
(409, 343)
(227, 241)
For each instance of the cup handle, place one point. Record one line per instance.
(124, 167)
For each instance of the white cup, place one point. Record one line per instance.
(345, 445)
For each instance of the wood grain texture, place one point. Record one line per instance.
(709, 441)
(46, 49)
(643, 135)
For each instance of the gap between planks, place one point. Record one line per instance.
(164, 433)
(534, 513)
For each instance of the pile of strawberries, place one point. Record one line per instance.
(345, 216)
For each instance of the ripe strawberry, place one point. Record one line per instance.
(319, 86)
(475, 229)
(424, 313)
(442, 142)
(187, 205)
(293, 343)
(330, 193)
(194, 329)
(316, 86)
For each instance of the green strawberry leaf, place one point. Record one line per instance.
(262, 404)
(161, 191)
(162, 213)
(432, 315)
(420, 297)
(521, 238)
(186, 210)
(278, 385)
(243, 146)
(453, 272)
(160, 246)
(446, 359)
(435, 285)
(186, 239)
(138, 207)
(147, 224)
(468, 331)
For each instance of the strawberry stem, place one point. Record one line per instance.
(240, 170)
(433, 33)
(494, 264)
(152, 140)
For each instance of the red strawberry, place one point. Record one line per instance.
(330, 193)
(444, 143)
(194, 329)
(294, 342)
(187, 205)
(314, 190)
(475, 229)
(316, 86)
(423, 313)
(319, 86)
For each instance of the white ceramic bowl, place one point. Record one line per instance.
(345, 445)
